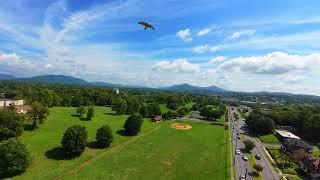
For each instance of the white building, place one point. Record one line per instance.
(291, 141)
(10, 102)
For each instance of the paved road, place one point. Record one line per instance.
(268, 172)
(242, 167)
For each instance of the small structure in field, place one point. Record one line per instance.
(157, 118)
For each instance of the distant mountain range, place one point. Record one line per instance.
(187, 88)
(62, 79)
(194, 89)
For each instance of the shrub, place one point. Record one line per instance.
(74, 140)
(104, 136)
(133, 124)
(14, 157)
(258, 167)
(11, 124)
(90, 113)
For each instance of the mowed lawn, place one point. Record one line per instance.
(165, 153)
(270, 138)
(43, 143)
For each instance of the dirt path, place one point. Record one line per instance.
(89, 161)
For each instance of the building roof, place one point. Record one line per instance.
(157, 118)
(287, 134)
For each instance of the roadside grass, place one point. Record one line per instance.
(252, 162)
(44, 142)
(199, 153)
(270, 138)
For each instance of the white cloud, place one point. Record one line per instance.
(218, 59)
(177, 66)
(201, 48)
(239, 34)
(185, 35)
(9, 56)
(206, 48)
(215, 48)
(204, 31)
(274, 63)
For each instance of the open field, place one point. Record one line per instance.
(158, 152)
(164, 108)
(167, 153)
(43, 142)
(270, 138)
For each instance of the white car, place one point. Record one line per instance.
(242, 177)
(245, 158)
(238, 152)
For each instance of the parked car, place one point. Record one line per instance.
(238, 152)
(245, 158)
(257, 157)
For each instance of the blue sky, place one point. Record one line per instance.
(240, 45)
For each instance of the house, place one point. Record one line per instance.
(157, 118)
(9, 102)
(19, 105)
(308, 163)
(292, 142)
(196, 115)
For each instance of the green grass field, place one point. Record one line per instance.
(164, 108)
(270, 138)
(159, 152)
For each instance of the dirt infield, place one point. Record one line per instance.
(181, 126)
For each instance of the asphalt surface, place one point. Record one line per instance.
(242, 167)
(268, 172)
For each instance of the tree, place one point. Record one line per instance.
(14, 157)
(90, 113)
(249, 145)
(144, 110)
(119, 106)
(209, 113)
(311, 127)
(74, 140)
(11, 124)
(258, 167)
(154, 109)
(81, 110)
(183, 111)
(264, 125)
(104, 136)
(172, 106)
(38, 113)
(133, 124)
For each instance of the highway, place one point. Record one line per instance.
(238, 127)
(242, 167)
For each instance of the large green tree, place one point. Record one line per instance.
(249, 145)
(90, 113)
(133, 124)
(14, 157)
(74, 140)
(104, 136)
(38, 113)
(81, 110)
(11, 124)
(119, 106)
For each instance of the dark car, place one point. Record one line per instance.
(257, 157)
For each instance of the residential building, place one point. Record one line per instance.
(308, 163)
(292, 142)
(19, 105)
(157, 118)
